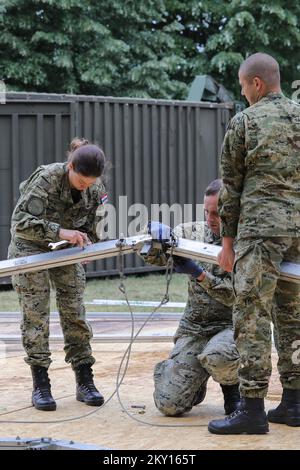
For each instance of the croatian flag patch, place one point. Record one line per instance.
(104, 198)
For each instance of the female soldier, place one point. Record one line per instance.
(58, 201)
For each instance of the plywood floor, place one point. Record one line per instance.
(110, 426)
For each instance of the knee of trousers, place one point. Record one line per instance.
(174, 390)
(222, 369)
(170, 405)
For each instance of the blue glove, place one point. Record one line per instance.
(187, 266)
(160, 232)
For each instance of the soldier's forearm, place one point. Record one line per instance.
(227, 242)
(43, 230)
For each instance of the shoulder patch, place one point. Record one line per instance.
(35, 206)
(44, 182)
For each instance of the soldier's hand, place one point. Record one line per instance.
(84, 263)
(75, 237)
(160, 232)
(187, 266)
(226, 259)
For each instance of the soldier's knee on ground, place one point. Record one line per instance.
(164, 398)
(173, 395)
(168, 406)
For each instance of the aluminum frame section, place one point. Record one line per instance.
(184, 247)
(209, 253)
(95, 251)
(44, 443)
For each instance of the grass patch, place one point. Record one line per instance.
(143, 287)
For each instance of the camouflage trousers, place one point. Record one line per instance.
(34, 297)
(261, 297)
(178, 380)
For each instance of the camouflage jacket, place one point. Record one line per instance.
(209, 305)
(261, 171)
(46, 205)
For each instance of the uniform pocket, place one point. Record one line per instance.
(247, 266)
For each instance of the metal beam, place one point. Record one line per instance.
(209, 253)
(197, 250)
(44, 443)
(53, 259)
(184, 247)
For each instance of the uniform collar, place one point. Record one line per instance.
(210, 236)
(272, 96)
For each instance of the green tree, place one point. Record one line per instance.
(89, 46)
(141, 48)
(217, 36)
(152, 56)
(250, 27)
(52, 46)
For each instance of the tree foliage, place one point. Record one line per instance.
(141, 48)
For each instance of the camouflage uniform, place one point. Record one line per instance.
(260, 204)
(204, 343)
(45, 205)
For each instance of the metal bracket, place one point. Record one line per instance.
(44, 443)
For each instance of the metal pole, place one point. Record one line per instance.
(184, 247)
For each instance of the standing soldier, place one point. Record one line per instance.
(59, 201)
(260, 204)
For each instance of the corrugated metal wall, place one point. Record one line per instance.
(160, 151)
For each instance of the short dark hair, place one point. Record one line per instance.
(87, 159)
(263, 66)
(213, 188)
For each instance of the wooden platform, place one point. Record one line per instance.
(110, 426)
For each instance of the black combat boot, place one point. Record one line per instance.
(200, 395)
(85, 387)
(288, 411)
(232, 397)
(250, 418)
(41, 394)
